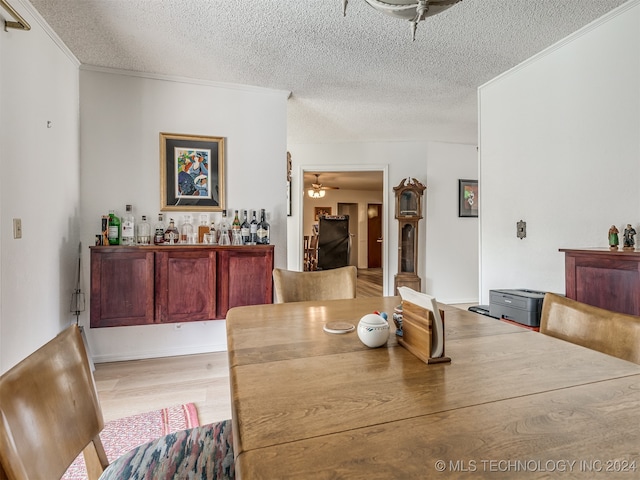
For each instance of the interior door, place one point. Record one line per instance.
(351, 209)
(374, 235)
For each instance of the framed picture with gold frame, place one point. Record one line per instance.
(191, 173)
(320, 211)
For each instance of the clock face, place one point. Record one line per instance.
(408, 204)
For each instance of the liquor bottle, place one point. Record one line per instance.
(144, 232)
(203, 226)
(263, 230)
(171, 234)
(104, 236)
(114, 228)
(245, 229)
(158, 237)
(236, 234)
(235, 225)
(224, 238)
(187, 232)
(214, 233)
(128, 227)
(253, 229)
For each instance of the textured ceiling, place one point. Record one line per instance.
(353, 78)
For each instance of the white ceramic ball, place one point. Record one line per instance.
(373, 330)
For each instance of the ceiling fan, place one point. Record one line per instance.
(317, 190)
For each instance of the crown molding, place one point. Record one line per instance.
(193, 81)
(42, 23)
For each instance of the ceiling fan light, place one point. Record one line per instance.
(413, 10)
(313, 193)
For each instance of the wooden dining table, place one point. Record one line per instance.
(308, 404)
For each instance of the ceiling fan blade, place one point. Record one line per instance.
(318, 186)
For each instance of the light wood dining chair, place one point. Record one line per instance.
(305, 250)
(312, 253)
(50, 412)
(608, 332)
(334, 284)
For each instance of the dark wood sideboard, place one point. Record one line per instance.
(604, 278)
(180, 283)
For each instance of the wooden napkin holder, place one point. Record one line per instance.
(417, 327)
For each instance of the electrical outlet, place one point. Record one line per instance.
(17, 228)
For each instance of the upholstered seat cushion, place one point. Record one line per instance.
(204, 452)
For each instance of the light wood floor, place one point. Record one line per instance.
(138, 386)
(127, 388)
(369, 283)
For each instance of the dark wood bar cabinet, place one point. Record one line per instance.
(179, 283)
(604, 278)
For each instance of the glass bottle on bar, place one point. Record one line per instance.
(253, 229)
(144, 232)
(128, 227)
(113, 228)
(224, 238)
(263, 230)
(187, 232)
(236, 234)
(214, 233)
(158, 237)
(171, 234)
(245, 229)
(203, 226)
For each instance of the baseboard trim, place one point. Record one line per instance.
(453, 301)
(166, 352)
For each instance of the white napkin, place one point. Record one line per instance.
(426, 301)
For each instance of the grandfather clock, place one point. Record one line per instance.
(408, 213)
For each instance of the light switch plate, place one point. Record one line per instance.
(521, 229)
(17, 228)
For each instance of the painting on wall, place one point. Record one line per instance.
(468, 199)
(320, 211)
(191, 172)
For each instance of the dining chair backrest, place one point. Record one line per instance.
(613, 333)
(334, 284)
(49, 410)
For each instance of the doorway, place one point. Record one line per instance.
(348, 185)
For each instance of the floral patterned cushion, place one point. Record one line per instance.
(204, 452)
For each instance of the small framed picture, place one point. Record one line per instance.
(191, 172)
(468, 199)
(320, 211)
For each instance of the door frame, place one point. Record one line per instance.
(302, 169)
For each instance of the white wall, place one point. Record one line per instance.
(559, 149)
(452, 241)
(448, 252)
(122, 115)
(39, 184)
